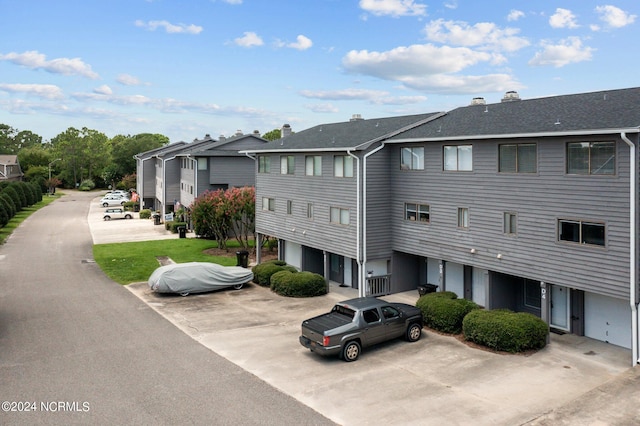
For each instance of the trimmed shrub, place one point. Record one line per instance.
(20, 191)
(4, 215)
(145, 214)
(173, 226)
(504, 330)
(262, 273)
(444, 312)
(8, 204)
(132, 206)
(87, 185)
(298, 284)
(13, 194)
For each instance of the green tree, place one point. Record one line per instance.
(123, 148)
(34, 156)
(272, 135)
(84, 154)
(12, 140)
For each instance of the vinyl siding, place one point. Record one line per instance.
(379, 232)
(323, 191)
(539, 200)
(233, 171)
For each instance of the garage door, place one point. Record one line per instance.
(607, 319)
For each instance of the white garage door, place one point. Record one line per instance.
(454, 278)
(293, 254)
(607, 319)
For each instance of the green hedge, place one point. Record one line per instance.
(262, 272)
(173, 226)
(504, 330)
(145, 214)
(298, 284)
(443, 311)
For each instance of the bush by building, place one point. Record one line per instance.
(443, 311)
(504, 330)
(262, 272)
(298, 284)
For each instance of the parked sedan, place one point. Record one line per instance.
(197, 277)
(113, 200)
(116, 213)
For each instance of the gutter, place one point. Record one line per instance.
(633, 302)
(359, 261)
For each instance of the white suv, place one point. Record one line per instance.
(116, 213)
(113, 200)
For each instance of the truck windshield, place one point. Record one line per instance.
(344, 311)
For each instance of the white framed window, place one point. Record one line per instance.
(289, 207)
(582, 232)
(339, 215)
(416, 212)
(309, 210)
(268, 204)
(463, 217)
(264, 164)
(412, 158)
(510, 223)
(591, 158)
(343, 166)
(202, 163)
(287, 164)
(458, 158)
(313, 165)
(518, 158)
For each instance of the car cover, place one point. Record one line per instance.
(197, 277)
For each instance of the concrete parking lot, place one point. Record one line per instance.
(437, 380)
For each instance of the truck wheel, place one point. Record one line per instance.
(414, 331)
(351, 351)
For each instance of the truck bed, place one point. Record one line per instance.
(325, 322)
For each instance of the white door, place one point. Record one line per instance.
(560, 307)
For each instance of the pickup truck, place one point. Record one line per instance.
(357, 323)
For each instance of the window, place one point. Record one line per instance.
(412, 158)
(338, 215)
(591, 158)
(313, 165)
(371, 316)
(287, 164)
(264, 164)
(309, 210)
(518, 158)
(417, 212)
(510, 223)
(343, 166)
(202, 164)
(268, 204)
(463, 217)
(580, 232)
(458, 158)
(532, 296)
(289, 207)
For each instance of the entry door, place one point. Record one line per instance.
(559, 307)
(336, 273)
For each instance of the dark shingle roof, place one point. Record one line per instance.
(344, 135)
(611, 109)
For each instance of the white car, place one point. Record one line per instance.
(113, 200)
(116, 213)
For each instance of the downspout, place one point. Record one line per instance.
(632, 249)
(358, 233)
(362, 291)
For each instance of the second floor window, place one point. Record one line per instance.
(313, 165)
(268, 204)
(309, 210)
(289, 207)
(510, 223)
(591, 158)
(518, 158)
(264, 164)
(458, 158)
(412, 158)
(463, 217)
(343, 166)
(202, 164)
(417, 212)
(581, 232)
(287, 164)
(338, 215)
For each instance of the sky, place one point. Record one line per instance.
(187, 68)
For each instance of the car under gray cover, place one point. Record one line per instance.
(197, 277)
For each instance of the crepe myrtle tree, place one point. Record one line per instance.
(220, 214)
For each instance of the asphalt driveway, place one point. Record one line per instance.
(437, 380)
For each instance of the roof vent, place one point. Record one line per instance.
(478, 101)
(356, 117)
(238, 132)
(510, 96)
(222, 138)
(256, 132)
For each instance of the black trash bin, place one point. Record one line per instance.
(426, 288)
(156, 219)
(243, 258)
(182, 231)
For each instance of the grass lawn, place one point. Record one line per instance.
(15, 221)
(127, 263)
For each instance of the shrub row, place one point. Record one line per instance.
(173, 226)
(504, 330)
(285, 280)
(443, 311)
(15, 196)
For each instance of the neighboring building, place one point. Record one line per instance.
(529, 205)
(10, 169)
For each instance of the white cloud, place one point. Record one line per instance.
(323, 108)
(378, 97)
(45, 91)
(128, 80)
(514, 15)
(563, 18)
(394, 8)
(566, 52)
(65, 66)
(615, 17)
(428, 67)
(169, 27)
(487, 35)
(103, 90)
(249, 39)
(302, 43)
